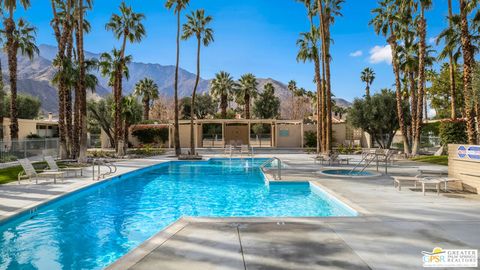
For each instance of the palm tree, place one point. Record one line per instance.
(468, 63)
(129, 116)
(148, 90)
(327, 12)
(247, 90)
(2, 96)
(63, 27)
(197, 25)
(19, 38)
(178, 6)
(308, 51)
(128, 27)
(222, 87)
(292, 87)
(367, 76)
(386, 23)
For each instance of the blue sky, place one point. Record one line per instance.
(256, 36)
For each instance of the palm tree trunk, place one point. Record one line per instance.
(192, 107)
(62, 38)
(468, 62)
(176, 134)
(247, 106)
(82, 155)
(421, 81)
(12, 67)
(325, 37)
(146, 108)
(318, 81)
(398, 91)
(2, 96)
(71, 147)
(452, 65)
(224, 105)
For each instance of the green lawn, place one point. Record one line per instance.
(10, 174)
(438, 160)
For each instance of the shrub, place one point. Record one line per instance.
(150, 134)
(310, 138)
(33, 136)
(453, 132)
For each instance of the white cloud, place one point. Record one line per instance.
(356, 53)
(379, 54)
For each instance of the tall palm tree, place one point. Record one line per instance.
(178, 6)
(309, 51)
(386, 23)
(2, 96)
(127, 26)
(197, 26)
(148, 90)
(292, 88)
(222, 87)
(367, 76)
(247, 90)
(19, 39)
(327, 10)
(466, 6)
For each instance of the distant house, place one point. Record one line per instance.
(45, 128)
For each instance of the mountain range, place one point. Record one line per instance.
(35, 76)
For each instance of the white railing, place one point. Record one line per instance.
(278, 176)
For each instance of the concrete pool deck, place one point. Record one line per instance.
(393, 230)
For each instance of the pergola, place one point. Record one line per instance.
(238, 131)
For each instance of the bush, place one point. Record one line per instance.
(453, 132)
(310, 138)
(150, 134)
(33, 136)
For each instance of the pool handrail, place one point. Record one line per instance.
(279, 167)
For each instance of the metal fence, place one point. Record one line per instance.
(30, 148)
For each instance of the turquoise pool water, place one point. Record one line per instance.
(92, 228)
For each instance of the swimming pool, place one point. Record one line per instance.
(92, 228)
(350, 173)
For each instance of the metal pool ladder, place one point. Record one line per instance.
(277, 176)
(112, 168)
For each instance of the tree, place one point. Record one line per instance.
(178, 6)
(222, 88)
(148, 90)
(327, 10)
(20, 37)
(440, 92)
(2, 95)
(386, 23)
(376, 115)
(127, 26)
(131, 114)
(206, 106)
(27, 105)
(451, 50)
(468, 63)
(308, 51)
(100, 113)
(267, 105)
(292, 88)
(247, 90)
(110, 64)
(197, 25)
(367, 76)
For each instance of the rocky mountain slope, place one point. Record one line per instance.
(34, 78)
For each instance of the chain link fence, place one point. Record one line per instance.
(33, 149)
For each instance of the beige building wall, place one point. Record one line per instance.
(289, 135)
(29, 126)
(465, 169)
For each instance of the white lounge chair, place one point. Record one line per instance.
(29, 172)
(245, 150)
(54, 167)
